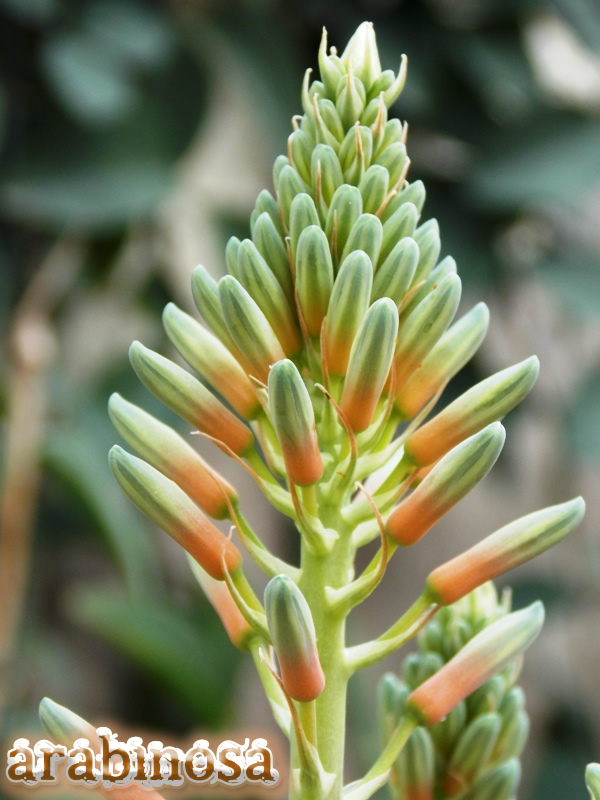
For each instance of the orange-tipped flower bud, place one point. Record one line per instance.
(160, 446)
(508, 547)
(181, 392)
(212, 360)
(446, 484)
(219, 596)
(487, 401)
(294, 421)
(370, 360)
(483, 656)
(293, 635)
(171, 509)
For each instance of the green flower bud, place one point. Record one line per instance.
(515, 726)
(373, 187)
(427, 236)
(414, 193)
(394, 159)
(345, 209)
(512, 545)
(328, 124)
(361, 56)
(447, 483)
(171, 509)
(592, 780)
(488, 400)
(278, 166)
(300, 147)
(374, 116)
(366, 235)
(391, 697)
(303, 213)
(187, 397)
(394, 276)
(418, 765)
(355, 153)
(428, 665)
(266, 204)
(63, 726)
(330, 67)
(326, 174)
(211, 359)
(260, 283)
(162, 448)
(392, 132)
(471, 753)
(294, 422)
(446, 732)
(314, 277)
(370, 360)
(249, 328)
(499, 784)
(424, 327)
(350, 99)
(231, 251)
(347, 307)
(391, 94)
(271, 247)
(486, 654)
(446, 267)
(450, 354)
(399, 225)
(294, 640)
(290, 184)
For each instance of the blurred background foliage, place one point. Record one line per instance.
(135, 137)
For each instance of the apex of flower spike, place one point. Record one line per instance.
(361, 56)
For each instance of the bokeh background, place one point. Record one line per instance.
(135, 137)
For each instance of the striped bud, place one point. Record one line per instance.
(63, 726)
(361, 56)
(211, 359)
(331, 68)
(471, 753)
(300, 147)
(369, 364)
(483, 656)
(366, 235)
(187, 397)
(270, 245)
(424, 327)
(162, 448)
(356, 152)
(373, 187)
(260, 283)
(592, 780)
(218, 595)
(394, 276)
(450, 354)
(328, 124)
(350, 99)
(278, 165)
(427, 236)
(515, 726)
(508, 547)
(393, 132)
(347, 307)
(294, 640)
(417, 766)
(391, 94)
(414, 193)
(171, 509)
(231, 251)
(500, 783)
(446, 267)
(288, 185)
(303, 213)
(326, 173)
(383, 82)
(266, 204)
(391, 697)
(399, 225)
(488, 400)
(345, 209)
(314, 277)
(249, 328)
(447, 483)
(394, 159)
(294, 422)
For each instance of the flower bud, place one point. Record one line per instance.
(328, 125)
(294, 422)
(370, 360)
(326, 172)
(447, 483)
(483, 656)
(278, 165)
(330, 67)
(162, 448)
(218, 595)
(187, 397)
(63, 726)
(401, 224)
(303, 213)
(366, 235)
(391, 94)
(231, 251)
(392, 133)
(488, 400)
(211, 359)
(471, 753)
(394, 276)
(500, 783)
(171, 509)
(383, 82)
(263, 287)
(356, 152)
(266, 204)
(293, 635)
(249, 328)
(373, 187)
(347, 307)
(391, 697)
(508, 547)
(314, 277)
(592, 780)
(350, 99)
(450, 354)
(414, 193)
(300, 147)
(427, 236)
(270, 245)
(515, 726)
(418, 766)
(288, 186)
(345, 209)
(394, 159)
(361, 56)
(429, 284)
(424, 327)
